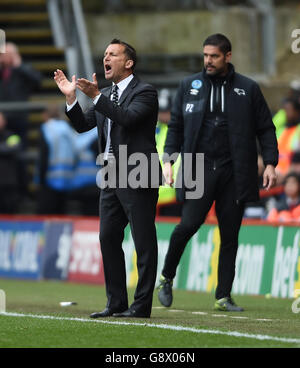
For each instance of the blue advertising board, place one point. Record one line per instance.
(21, 249)
(58, 243)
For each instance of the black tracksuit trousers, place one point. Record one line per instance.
(219, 186)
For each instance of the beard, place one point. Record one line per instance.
(216, 71)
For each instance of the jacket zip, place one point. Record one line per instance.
(212, 98)
(222, 96)
(212, 107)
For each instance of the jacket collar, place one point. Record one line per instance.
(122, 85)
(127, 90)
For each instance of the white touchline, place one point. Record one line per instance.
(161, 326)
(239, 317)
(219, 315)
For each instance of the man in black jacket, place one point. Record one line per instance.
(130, 123)
(220, 113)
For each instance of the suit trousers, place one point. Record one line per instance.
(118, 207)
(219, 186)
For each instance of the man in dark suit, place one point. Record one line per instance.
(129, 123)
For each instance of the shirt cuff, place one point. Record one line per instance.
(69, 107)
(95, 100)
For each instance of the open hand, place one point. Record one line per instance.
(67, 88)
(87, 87)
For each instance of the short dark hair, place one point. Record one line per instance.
(219, 40)
(292, 175)
(294, 102)
(129, 50)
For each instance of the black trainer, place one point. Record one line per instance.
(165, 295)
(227, 304)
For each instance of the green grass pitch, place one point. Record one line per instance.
(35, 319)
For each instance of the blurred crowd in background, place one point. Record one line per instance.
(66, 167)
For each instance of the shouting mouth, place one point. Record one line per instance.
(107, 68)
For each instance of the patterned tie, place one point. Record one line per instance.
(115, 98)
(115, 94)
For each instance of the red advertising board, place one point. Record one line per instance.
(86, 260)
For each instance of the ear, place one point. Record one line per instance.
(228, 57)
(129, 64)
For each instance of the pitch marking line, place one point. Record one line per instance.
(161, 326)
(219, 315)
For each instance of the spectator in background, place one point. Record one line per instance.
(295, 162)
(10, 145)
(57, 162)
(289, 138)
(279, 119)
(17, 81)
(84, 181)
(288, 207)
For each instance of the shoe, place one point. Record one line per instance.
(165, 295)
(227, 304)
(107, 312)
(131, 313)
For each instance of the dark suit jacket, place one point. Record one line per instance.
(134, 122)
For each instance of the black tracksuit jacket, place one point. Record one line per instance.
(248, 119)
